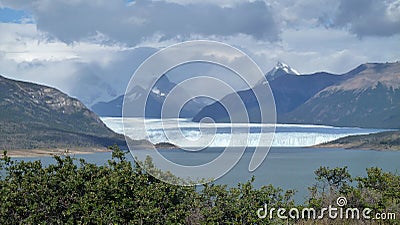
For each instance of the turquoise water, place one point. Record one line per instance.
(285, 167)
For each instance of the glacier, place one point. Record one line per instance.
(187, 134)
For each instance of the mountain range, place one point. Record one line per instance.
(367, 96)
(154, 102)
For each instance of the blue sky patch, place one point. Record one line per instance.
(8, 15)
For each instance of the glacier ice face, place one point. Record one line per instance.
(191, 134)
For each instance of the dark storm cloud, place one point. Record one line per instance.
(369, 17)
(132, 23)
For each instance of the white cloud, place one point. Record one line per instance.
(336, 51)
(310, 50)
(24, 43)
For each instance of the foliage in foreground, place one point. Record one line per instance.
(77, 192)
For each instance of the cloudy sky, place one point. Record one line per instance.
(89, 49)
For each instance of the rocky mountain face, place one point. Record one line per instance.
(36, 116)
(367, 96)
(369, 99)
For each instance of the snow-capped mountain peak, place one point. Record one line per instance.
(286, 68)
(279, 70)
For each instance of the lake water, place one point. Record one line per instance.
(285, 167)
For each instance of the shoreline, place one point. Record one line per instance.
(358, 147)
(31, 153)
(382, 141)
(48, 152)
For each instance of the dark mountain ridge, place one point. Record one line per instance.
(35, 116)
